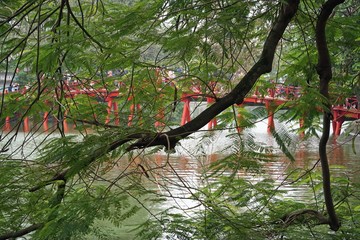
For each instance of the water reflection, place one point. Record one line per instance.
(178, 176)
(192, 157)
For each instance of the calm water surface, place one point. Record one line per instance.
(177, 174)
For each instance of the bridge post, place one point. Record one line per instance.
(45, 121)
(134, 107)
(7, 123)
(213, 122)
(112, 106)
(26, 124)
(65, 123)
(270, 111)
(186, 110)
(337, 122)
(109, 108)
(116, 113)
(240, 119)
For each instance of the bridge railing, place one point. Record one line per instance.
(279, 91)
(276, 91)
(352, 103)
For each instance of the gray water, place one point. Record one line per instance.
(178, 173)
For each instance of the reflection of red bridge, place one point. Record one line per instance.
(275, 97)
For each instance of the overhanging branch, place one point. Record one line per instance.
(291, 218)
(22, 232)
(236, 96)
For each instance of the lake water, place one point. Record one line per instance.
(184, 172)
(176, 175)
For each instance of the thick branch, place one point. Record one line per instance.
(324, 70)
(263, 65)
(169, 139)
(290, 218)
(69, 172)
(324, 63)
(21, 232)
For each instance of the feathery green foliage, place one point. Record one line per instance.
(106, 83)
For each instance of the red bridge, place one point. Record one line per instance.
(276, 96)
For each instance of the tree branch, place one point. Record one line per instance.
(170, 139)
(69, 172)
(237, 95)
(21, 232)
(323, 69)
(290, 218)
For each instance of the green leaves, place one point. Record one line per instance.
(16, 203)
(74, 191)
(283, 140)
(84, 208)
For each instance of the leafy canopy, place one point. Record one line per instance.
(59, 185)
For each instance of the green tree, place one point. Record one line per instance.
(62, 186)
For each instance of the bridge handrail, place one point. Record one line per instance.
(276, 91)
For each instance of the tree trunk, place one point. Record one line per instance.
(323, 68)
